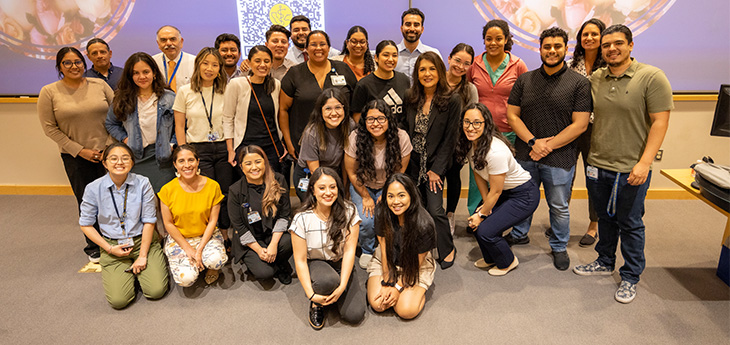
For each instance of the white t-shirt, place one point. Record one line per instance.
(312, 229)
(191, 104)
(501, 161)
(147, 114)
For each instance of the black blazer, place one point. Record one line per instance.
(238, 213)
(443, 130)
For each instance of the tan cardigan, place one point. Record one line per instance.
(235, 109)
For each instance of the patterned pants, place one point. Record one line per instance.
(182, 270)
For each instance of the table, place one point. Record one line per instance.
(683, 177)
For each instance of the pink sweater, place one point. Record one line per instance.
(495, 96)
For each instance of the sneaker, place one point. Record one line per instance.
(483, 264)
(511, 240)
(365, 260)
(626, 292)
(592, 269)
(452, 222)
(496, 271)
(316, 316)
(587, 240)
(94, 257)
(549, 233)
(284, 276)
(561, 260)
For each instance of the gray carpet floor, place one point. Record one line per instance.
(680, 300)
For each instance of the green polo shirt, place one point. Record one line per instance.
(621, 108)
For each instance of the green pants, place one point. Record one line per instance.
(474, 197)
(119, 285)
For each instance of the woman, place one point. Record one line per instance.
(303, 84)
(356, 52)
(384, 83)
(324, 240)
(324, 138)
(403, 269)
(124, 205)
(72, 112)
(377, 149)
(142, 117)
(493, 73)
(460, 60)
(250, 111)
(432, 112)
(199, 122)
(509, 196)
(586, 59)
(259, 208)
(190, 206)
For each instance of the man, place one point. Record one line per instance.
(548, 109)
(632, 102)
(277, 40)
(300, 28)
(411, 26)
(229, 46)
(100, 55)
(176, 66)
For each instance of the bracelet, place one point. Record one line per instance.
(313, 293)
(383, 283)
(110, 248)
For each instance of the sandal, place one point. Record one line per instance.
(211, 276)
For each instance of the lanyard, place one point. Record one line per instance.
(123, 217)
(164, 63)
(209, 115)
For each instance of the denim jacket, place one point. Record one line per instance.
(130, 128)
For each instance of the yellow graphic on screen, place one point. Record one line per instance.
(280, 14)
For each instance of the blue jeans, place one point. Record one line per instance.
(558, 183)
(367, 238)
(623, 220)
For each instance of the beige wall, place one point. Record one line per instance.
(29, 158)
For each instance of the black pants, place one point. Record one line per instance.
(325, 277)
(453, 180)
(80, 173)
(263, 270)
(214, 165)
(434, 204)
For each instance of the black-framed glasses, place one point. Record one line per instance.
(69, 63)
(475, 124)
(114, 159)
(355, 42)
(381, 120)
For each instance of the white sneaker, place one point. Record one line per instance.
(94, 260)
(365, 260)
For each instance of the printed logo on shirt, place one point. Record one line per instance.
(392, 99)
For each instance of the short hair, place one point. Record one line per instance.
(502, 25)
(277, 28)
(96, 40)
(554, 32)
(415, 11)
(300, 18)
(179, 33)
(61, 53)
(227, 38)
(618, 28)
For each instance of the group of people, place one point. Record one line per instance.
(207, 146)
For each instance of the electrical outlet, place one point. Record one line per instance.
(659, 155)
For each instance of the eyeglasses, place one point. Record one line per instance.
(114, 159)
(330, 110)
(381, 120)
(458, 61)
(356, 42)
(69, 63)
(475, 124)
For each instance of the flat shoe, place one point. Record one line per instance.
(483, 264)
(211, 276)
(496, 271)
(587, 240)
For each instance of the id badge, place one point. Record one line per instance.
(253, 217)
(592, 172)
(338, 80)
(213, 136)
(303, 184)
(126, 242)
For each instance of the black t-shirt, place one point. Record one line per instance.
(301, 85)
(392, 91)
(426, 237)
(255, 194)
(256, 130)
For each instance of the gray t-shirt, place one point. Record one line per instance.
(330, 157)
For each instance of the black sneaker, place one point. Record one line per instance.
(284, 276)
(561, 260)
(549, 233)
(511, 240)
(94, 257)
(316, 316)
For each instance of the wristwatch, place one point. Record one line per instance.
(398, 287)
(531, 142)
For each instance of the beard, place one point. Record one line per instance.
(405, 37)
(551, 65)
(298, 45)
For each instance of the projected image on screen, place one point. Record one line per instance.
(528, 18)
(38, 28)
(256, 16)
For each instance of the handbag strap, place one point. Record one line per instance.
(264, 117)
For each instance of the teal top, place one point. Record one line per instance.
(494, 75)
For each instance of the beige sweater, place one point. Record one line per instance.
(74, 118)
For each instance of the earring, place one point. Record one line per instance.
(177, 174)
(198, 171)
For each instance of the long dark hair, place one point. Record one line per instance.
(65, 50)
(316, 121)
(580, 52)
(269, 83)
(461, 89)
(369, 62)
(417, 220)
(365, 142)
(484, 142)
(125, 97)
(342, 209)
(272, 189)
(220, 81)
(417, 94)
